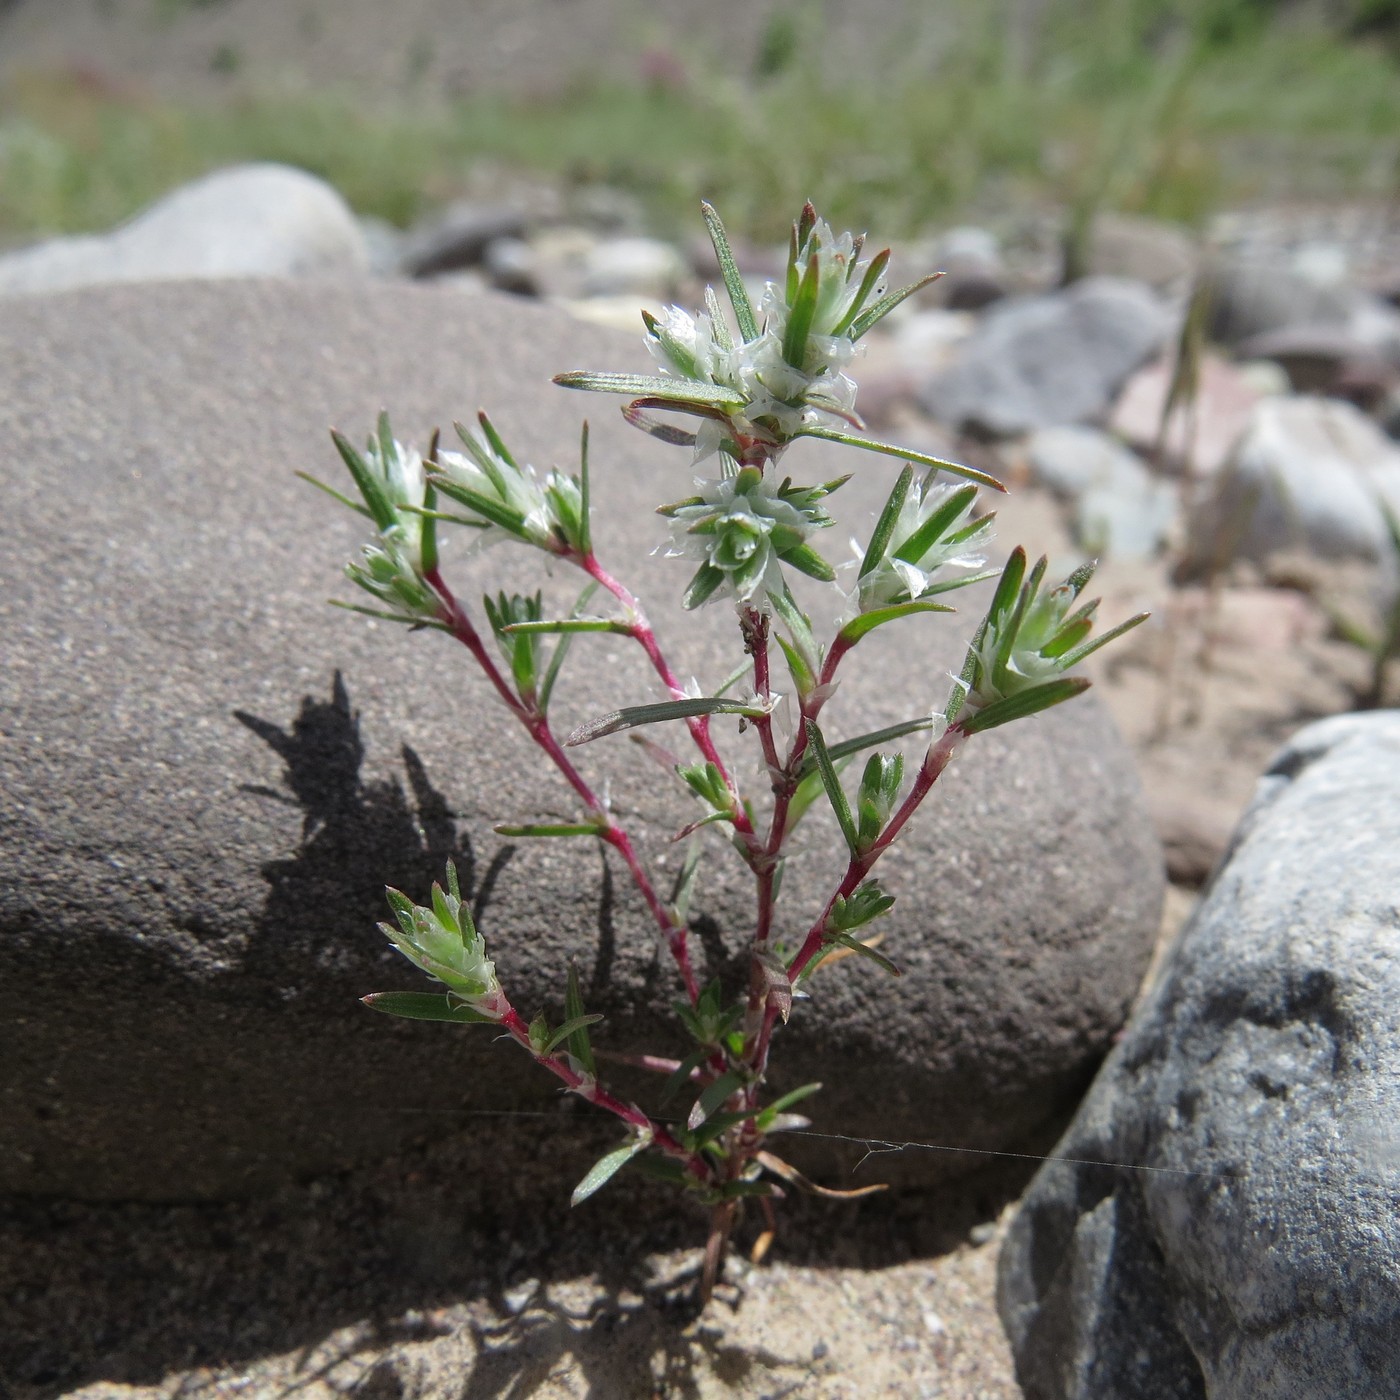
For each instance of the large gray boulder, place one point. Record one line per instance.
(1036, 362)
(207, 777)
(1250, 1247)
(245, 221)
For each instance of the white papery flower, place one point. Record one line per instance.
(516, 488)
(731, 528)
(960, 544)
(684, 345)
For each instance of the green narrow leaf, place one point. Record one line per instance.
(800, 630)
(801, 314)
(685, 882)
(847, 747)
(425, 1006)
(889, 449)
(719, 324)
(580, 1046)
(344, 500)
(561, 649)
(832, 783)
(702, 587)
(545, 829)
(729, 270)
(1024, 703)
(681, 1074)
(1009, 586)
(428, 552)
(849, 940)
(886, 304)
(568, 624)
(585, 495)
(733, 678)
(654, 427)
(714, 1095)
(806, 559)
(716, 1124)
(385, 616)
(651, 386)
(780, 1105)
(1074, 657)
(857, 627)
(889, 517)
(659, 714)
(497, 512)
(968, 676)
(873, 272)
(608, 1166)
(380, 507)
(932, 530)
(572, 1029)
(498, 445)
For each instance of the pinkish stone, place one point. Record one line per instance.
(1225, 400)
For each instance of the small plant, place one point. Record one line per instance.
(750, 386)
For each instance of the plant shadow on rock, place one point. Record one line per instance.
(357, 837)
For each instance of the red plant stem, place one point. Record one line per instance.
(586, 1087)
(785, 776)
(939, 755)
(699, 726)
(537, 725)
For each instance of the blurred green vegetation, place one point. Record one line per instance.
(1167, 107)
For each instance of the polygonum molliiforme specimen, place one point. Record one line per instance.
(737, 386)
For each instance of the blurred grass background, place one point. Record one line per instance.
(1167, 107)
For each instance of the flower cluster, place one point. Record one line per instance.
(931, 527)
(397, 497)
(1029, 639)
(783, 375)
(505, 500)
(740, 527)
(443, 942)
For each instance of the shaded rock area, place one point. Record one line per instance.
(1254, 1251)
(208, 777)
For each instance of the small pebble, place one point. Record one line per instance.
(519, 1298)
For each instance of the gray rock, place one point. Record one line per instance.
(1251, 297)
(384, 245)
(245, 221)
(1162, 255)
(641, 267)
(1119, 508)
(1256, 1254)
(1041, 361)
(974, 274)
(511, 265)
(1309, 473)
(207, 776)
(458, 237)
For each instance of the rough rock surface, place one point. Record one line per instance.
(245, 221)
(1257, 1253)
(1059, 358)
(206, 776)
